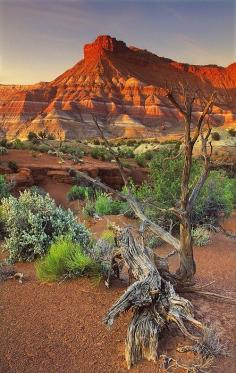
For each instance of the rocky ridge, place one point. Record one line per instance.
(124, 84)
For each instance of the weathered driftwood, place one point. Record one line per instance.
(153, 300)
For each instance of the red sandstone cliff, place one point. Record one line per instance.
(124, 83)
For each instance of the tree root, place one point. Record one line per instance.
(154, 302)
(208, 294)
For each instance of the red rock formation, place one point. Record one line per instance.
(113, 79)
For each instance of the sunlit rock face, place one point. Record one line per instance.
(116, 82)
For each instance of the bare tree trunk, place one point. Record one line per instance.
(187, 267)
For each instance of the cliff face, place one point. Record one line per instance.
(125, 84)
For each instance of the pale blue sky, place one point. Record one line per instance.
(40, 39)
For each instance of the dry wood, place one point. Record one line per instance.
(153, 300)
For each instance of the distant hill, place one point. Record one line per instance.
(124, 84)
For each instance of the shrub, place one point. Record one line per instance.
(232, 132)
(33, 138)
(18, 144)
(125, 152)
(162, 190)
(32, 222)
(4, 187)
(141, 159)
(79, 192)
(38, 190)
(66, 258)
(153, 242)
(3, 150)
(13, 166)
(74, 151)
(44, 148)
(51, 136)
(215, 136)
(100, 152)
(89, 208)
(109, 236)
(105, 205)
(201, 236)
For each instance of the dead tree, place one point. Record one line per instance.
(153, 296)
(183, 210)
(187, 266)
(154, 302)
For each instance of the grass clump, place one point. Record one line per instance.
(201, 236)
(66, 259)
(101, 153)
(18, 144)
(89, 208)
(108, 236)
(125, 152)
(105, 205)
(141, 159)
(79, 192)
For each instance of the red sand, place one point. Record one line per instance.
(58, 328)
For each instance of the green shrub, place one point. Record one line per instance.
(162, 190)
(65, 258)
(73, 151)
(18, 144)
(154, 242)
(141, 160)
(33, 221)
(215, 136)
(33, 138)
(13, 166)
(44, 148)
(109, 236)
(125, 152)
(79, 192)
(3, 150)
(105, 205)
(38, 190)
(100, 152)
(4, 187)
(89, 208)
(201, 236)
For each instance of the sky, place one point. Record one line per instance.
(40, 39)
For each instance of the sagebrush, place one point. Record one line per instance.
(32, 221)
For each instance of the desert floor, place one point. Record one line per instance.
(58, 328)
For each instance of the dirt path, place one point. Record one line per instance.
(58, 328)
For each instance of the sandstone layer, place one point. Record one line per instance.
(125, 85)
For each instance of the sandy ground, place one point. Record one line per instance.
(57, 328)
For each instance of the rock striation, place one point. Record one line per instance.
(124, 84)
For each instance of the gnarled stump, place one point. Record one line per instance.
(153, 300)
